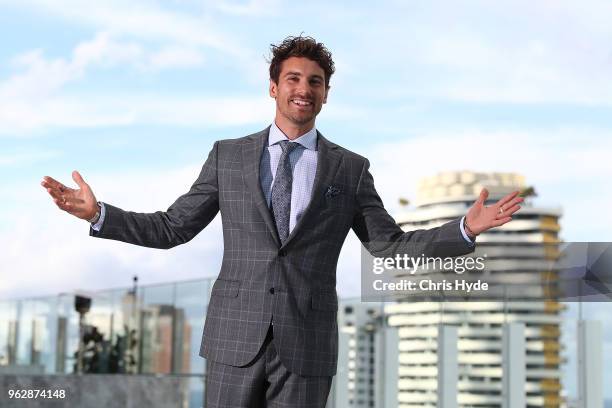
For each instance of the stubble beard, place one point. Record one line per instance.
(300, 120)
(297, 119)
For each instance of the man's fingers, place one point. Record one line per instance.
(512, 210)
(501, 221)
(76, 176)
(69, 198)
(510, 207)
(73, 206)
(513, 202)
(61, 204)
(484, 193)
(74, 202)
(68, 194)
(50, 183)
(56, 194)
(507, 198)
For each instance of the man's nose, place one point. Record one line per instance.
(304, 89)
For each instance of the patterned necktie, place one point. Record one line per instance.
(280, 199)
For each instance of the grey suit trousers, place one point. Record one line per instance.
(265, 382)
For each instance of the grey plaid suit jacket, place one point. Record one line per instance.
(294, 284)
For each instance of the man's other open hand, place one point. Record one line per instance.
(481, 218)
(80, 202)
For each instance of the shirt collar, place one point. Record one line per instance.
(308, 139)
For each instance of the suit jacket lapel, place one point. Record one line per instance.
(251, 157)
(328, 160)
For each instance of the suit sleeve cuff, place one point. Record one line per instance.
(98, 225)
(465, 235)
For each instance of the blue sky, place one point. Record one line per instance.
(133, 94)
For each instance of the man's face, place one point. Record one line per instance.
(300, 92)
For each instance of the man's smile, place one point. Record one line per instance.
(301, 102)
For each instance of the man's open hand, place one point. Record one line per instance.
(81, 203)
(481, 218)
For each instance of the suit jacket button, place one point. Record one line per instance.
(281, 253)
(272, 290)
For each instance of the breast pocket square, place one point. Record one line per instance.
(332, 192)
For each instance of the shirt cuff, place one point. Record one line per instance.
(98, 225)
(461, 227)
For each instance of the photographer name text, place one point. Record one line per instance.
(430, 285)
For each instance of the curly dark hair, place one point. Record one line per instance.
(301, 46)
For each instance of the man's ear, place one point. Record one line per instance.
(326, 92)
(273, 88)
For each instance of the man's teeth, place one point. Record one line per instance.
(301, 102)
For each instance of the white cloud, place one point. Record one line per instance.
(41, 77)
(104, 50)
(141, 35)
(249, 8)
(175, 57)
(35, 99)
(143, 20)
(115, 110)
(483, 51)
(27, 158)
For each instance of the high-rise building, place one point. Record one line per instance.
(164, 340)
(522, 248)
(367, 358)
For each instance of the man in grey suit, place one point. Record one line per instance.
(287, 197)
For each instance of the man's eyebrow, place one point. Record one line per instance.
(315, 76)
